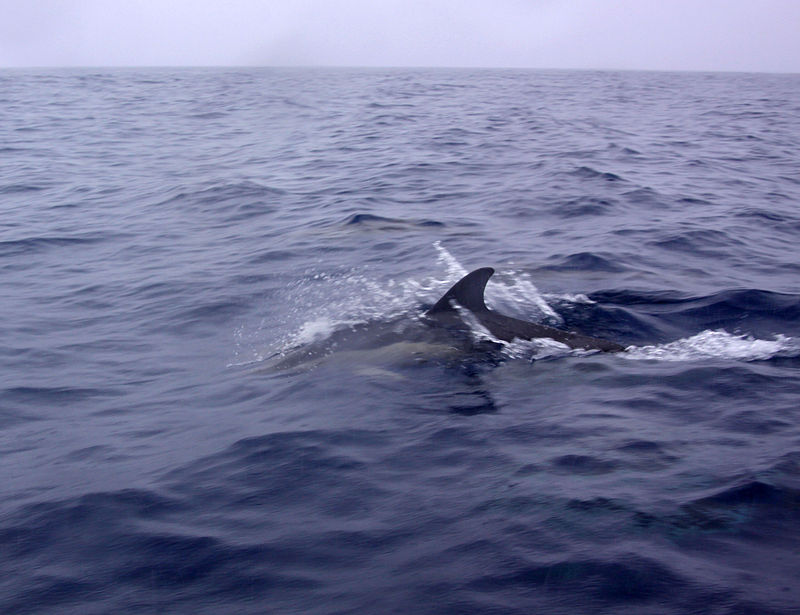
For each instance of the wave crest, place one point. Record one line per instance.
(718, 344)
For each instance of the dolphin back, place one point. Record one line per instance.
(468, 293)
(507, 328)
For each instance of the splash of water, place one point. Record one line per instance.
(520, 291)
(718, 345)
(455, 270)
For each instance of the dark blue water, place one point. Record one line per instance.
(217, 396)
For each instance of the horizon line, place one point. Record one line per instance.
(391, 67)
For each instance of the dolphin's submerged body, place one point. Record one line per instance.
(467, 294)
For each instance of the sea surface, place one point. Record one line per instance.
(218, 393)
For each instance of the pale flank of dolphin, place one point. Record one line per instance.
(380, 359)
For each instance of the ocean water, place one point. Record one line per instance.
(217, 394)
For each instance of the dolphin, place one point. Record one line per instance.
(468, 294)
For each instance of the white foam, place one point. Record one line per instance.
(522, 291)
(321, 303)
(478, 332)
(314, 331)
(538, 349)
(577, 298)
(244, 353)
(719, 345)
(454, 269)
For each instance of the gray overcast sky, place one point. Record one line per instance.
(738, 35)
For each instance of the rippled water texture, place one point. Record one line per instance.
(217, 393)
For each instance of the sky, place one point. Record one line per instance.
(716, 35)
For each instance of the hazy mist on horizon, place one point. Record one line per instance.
(715, 35)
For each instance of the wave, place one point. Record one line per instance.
(375, 222)
(238, 201)
(35, 245)
(19, 188)
(631, 578)
(585, 206)
(755, 312)
(590, 173)
(151, 554)
(584, 261)
(717, 345)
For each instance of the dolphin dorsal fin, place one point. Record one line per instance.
(467, 292)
